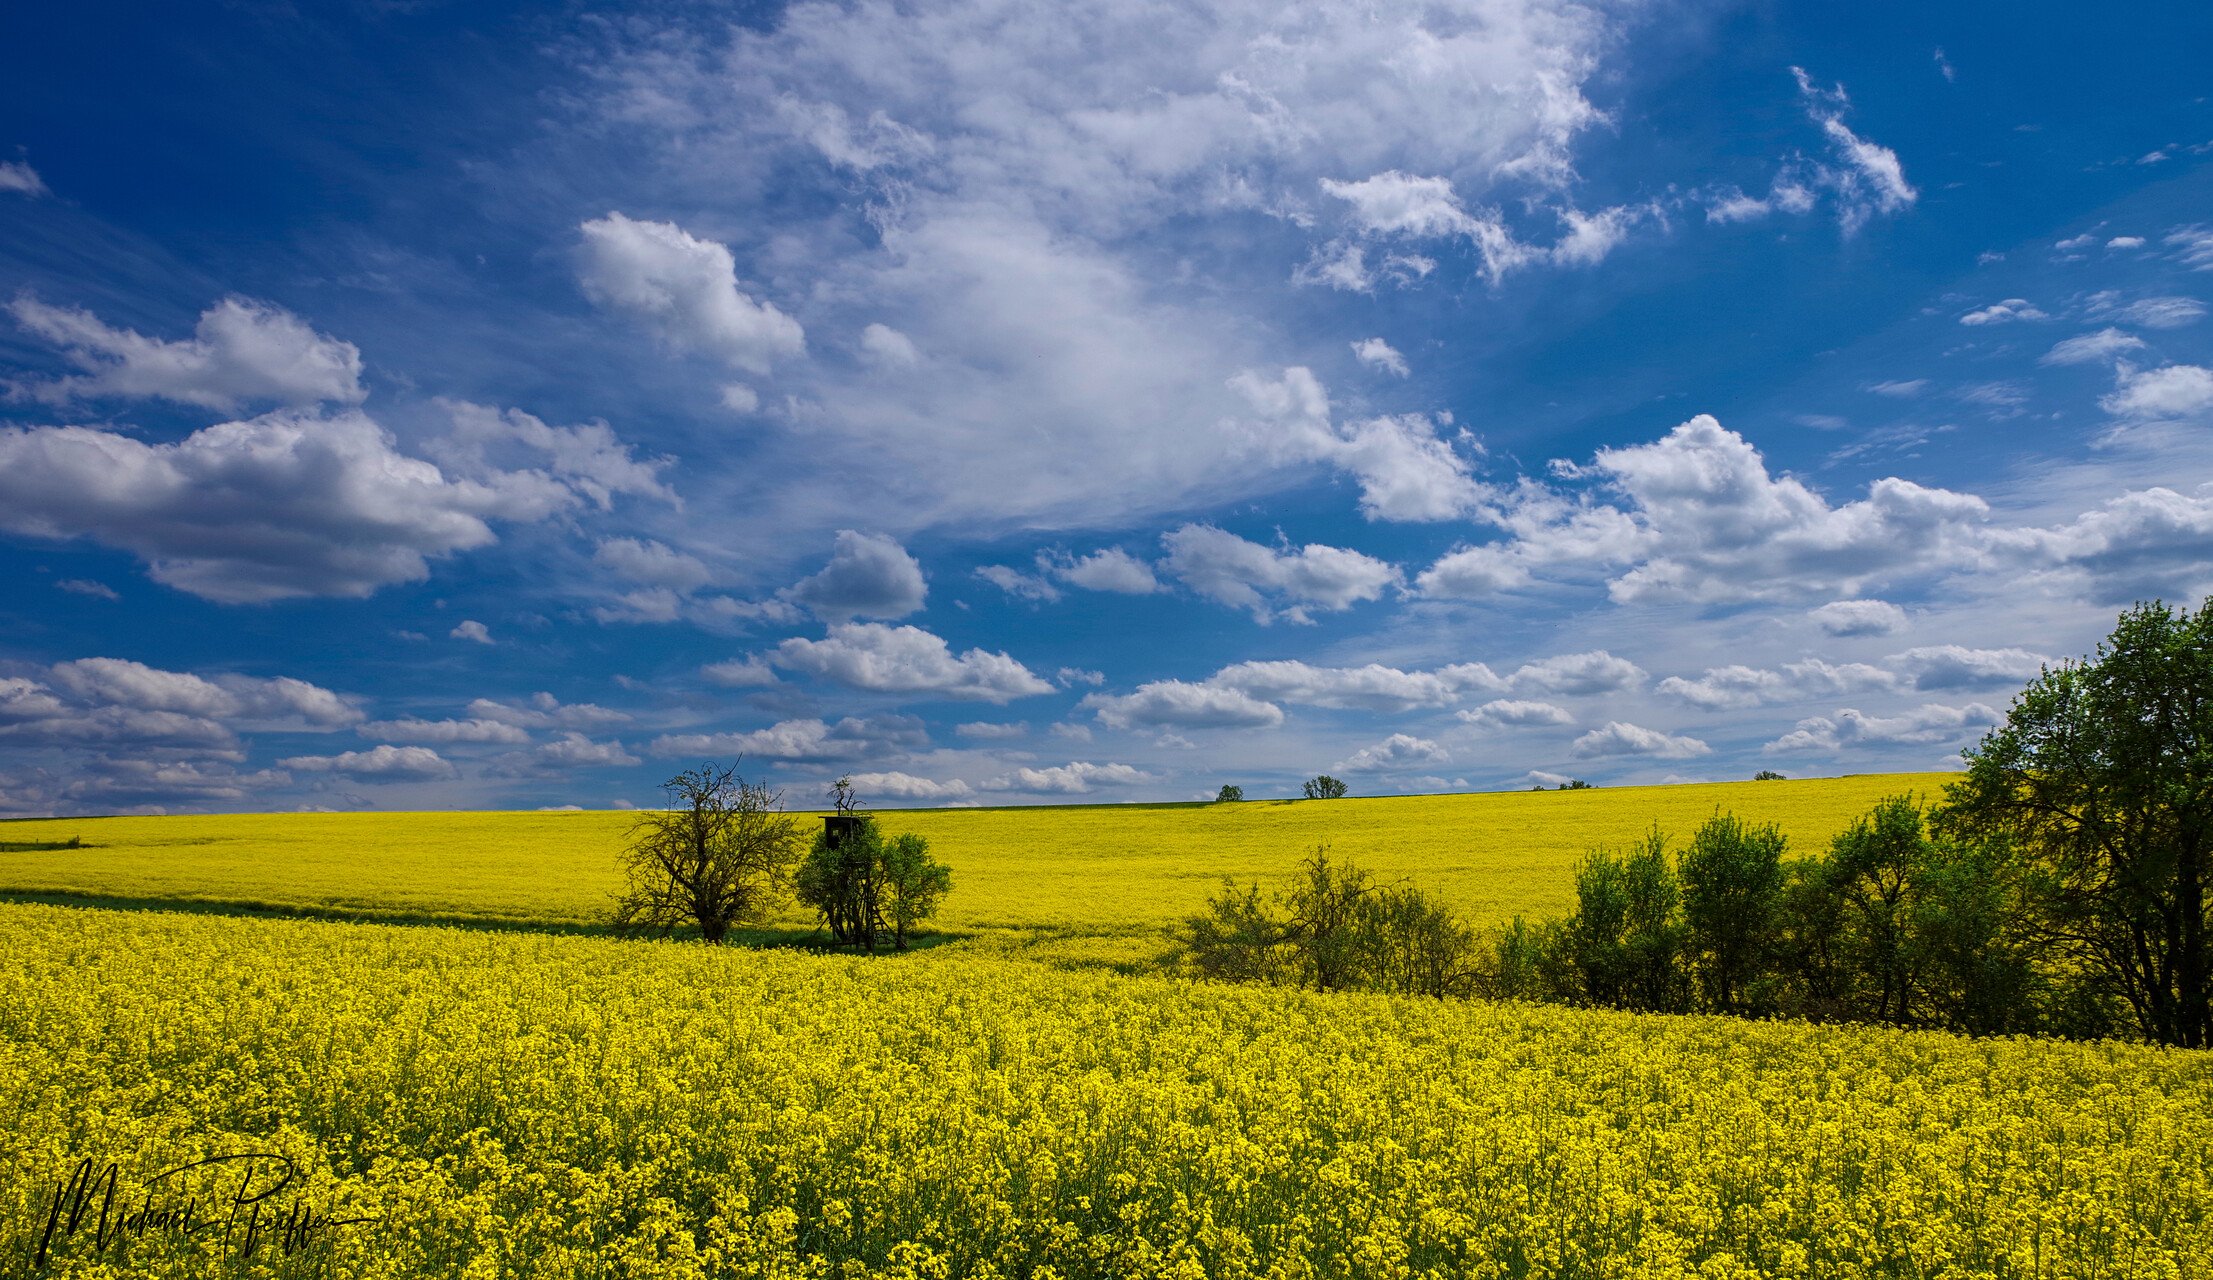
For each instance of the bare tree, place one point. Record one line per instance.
(719, 855)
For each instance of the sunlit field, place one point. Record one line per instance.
(1089, 869)
(504, 1104)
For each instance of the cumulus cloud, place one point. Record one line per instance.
(242, 352)
(1928, 724)
(1378, 354)
(2011, 309)
(1620, 738)
(687, 288)
(906, 786)
(472, 630)
(750, 672)
(123, 683)
(2176, 392)
(1111, 569)
(1578, 675)
(1272, 582)
(513, 450)
(544, 711)
(1181, 704)
(1517, 712)
(990, 731)
(277, 507)
(851, 738)
(443, 732)
(575, 751)
(378, 764)
(1951, 666)
(1023, 586)
(1859, 618)
(1077, 777)
(1405, 470)
(653, 564)
(1399, 751)
(1704, 520)
(869, 575)
(888, 347)
(907, 660)
(1374, 686)
(1741, 686)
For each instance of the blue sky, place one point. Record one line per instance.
(442, 405)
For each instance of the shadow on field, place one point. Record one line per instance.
(783, 938)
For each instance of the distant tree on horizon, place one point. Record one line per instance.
(1230, 791)
(1323, 787)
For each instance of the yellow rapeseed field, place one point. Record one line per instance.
(1099, 869)
(501, 1104)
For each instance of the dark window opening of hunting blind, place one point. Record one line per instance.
(837, 827)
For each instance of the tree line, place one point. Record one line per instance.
(2058, 887)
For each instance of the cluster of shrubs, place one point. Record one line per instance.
(1892, 924)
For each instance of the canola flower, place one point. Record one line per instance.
(1102, 869)
(530, 1105)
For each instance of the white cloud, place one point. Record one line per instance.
(1180, 704)
(1406, 471)
(906, 786)
(1705, 521)
(1902, 390)
(1871, 179)
(653, 564)
(1620, 738)
(2172, 393)
(990, 731)
(1859, 618)
(546, 712)
(1399, 751)
(21, 179)
(87, 587)
(2159, 313)
(740, 398)
(1522, 713)
(801, 740)
(1741, 686)
(122, 683)
(1578, 675)
(687, 288)
(471, 629)
(2125, 242)
(2193, 245)
(1373, 686)
(2105, 344)
(907, 660)
(889, 347)
(1023, 586)
(2004, 312)
(277, 507)
(378, 764)
(587, 459)
(443, 731)
(575, 751)
(1074, 778)
(1229, 570)
(1929, 724)
(1069, 677)
(749, 672)
(1951, 666)
(2145, 543)
(1378, 354)
(1111, 569)
(242, 351)
(868, 576)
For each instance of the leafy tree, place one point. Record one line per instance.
(1732, 877)
(1768, 775)
(863, 886)
(1878, 868)
(1573, 784)
(913, 884)
(1238, 938)
(1336, 930)
(1324, 787)
(1229, 792)
(1655, 936)
(719, 856)
(2103, 776)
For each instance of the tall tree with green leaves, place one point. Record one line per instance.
(1732, 877)
(2103, 774)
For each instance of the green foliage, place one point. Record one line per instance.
(1573, 784)
(1732, 877)
(1324, 787)
(1229, 792)
(718, 857)
(1768, 775)
(1334, 929)
(865, 887)
(2102, 778)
